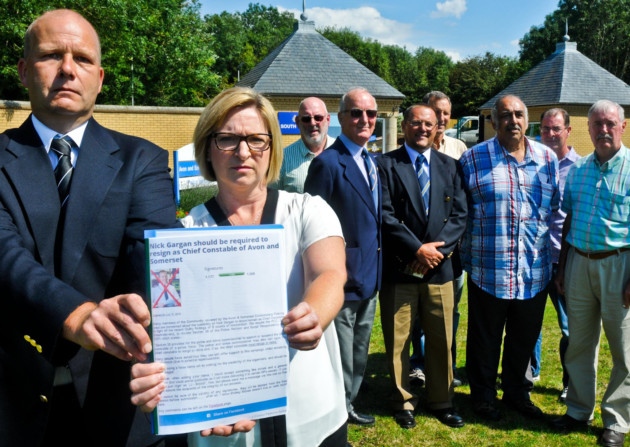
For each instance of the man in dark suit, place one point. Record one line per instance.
(424, 215)
(345, 176)
(72, 260)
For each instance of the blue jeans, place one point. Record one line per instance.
(417, 334)
(560, 305)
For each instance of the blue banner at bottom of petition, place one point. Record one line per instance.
(220, 413)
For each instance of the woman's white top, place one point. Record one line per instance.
(315, 391)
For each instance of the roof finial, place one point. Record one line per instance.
(566, 37)
(303, 16)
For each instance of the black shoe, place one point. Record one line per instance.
(526, 407)
(448, 416)
(612, 438)
(360, 419)
(486, 410)
(566, 423)
(405, 418)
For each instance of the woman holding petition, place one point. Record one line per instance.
(238, 143)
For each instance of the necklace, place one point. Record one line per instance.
(255, 221)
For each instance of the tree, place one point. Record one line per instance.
(368, 52)
(412, 74)
(15, 16)
(434, 70)
(600, 28)
(477, 79)
(244, 39)
(154, 51)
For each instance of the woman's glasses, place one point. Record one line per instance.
(228, 141)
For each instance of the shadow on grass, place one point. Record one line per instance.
(513, 429)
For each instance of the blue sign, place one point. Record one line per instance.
(186, 174)
(287, 123)
(187, 169)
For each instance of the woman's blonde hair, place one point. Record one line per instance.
(213, 117)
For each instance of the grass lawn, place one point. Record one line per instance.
(512, 430)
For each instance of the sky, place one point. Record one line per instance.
(460, 28)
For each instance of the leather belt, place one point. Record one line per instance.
(601, 254)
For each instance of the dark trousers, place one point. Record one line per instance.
(338, 438)
(488, 318)
(67, 427)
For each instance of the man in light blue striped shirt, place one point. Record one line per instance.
(594, 273)
(312, 120)
(512, 188)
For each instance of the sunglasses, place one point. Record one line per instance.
(307, 119)
(358, 113)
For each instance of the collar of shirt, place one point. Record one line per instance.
(306, 152)
(354, 148)
(616, 159)
(413, 154)
(46, 134)
(571, 156)
(356, 152)
(530, 155)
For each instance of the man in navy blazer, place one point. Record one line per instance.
(345, 176)
(72, 317)
(419, 241)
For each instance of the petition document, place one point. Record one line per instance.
(217, 296)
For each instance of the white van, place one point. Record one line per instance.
(466, 129)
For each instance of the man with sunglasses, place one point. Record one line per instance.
(345, 176)
(312, 120)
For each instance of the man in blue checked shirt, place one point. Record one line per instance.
(594, 274)
(512, 188)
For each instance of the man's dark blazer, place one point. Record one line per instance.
(120, 186)
(335, 176)
(406, 225)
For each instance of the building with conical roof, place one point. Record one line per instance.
(566, 79)
(308, 64)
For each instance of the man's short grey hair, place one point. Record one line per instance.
(494, 112)
(603, 105)
(344, 97)
(435, 95)
(557, 111)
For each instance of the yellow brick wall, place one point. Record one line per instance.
(579, 137)
(168, 127)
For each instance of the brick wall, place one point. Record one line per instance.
(579, 137)
(168, 127)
